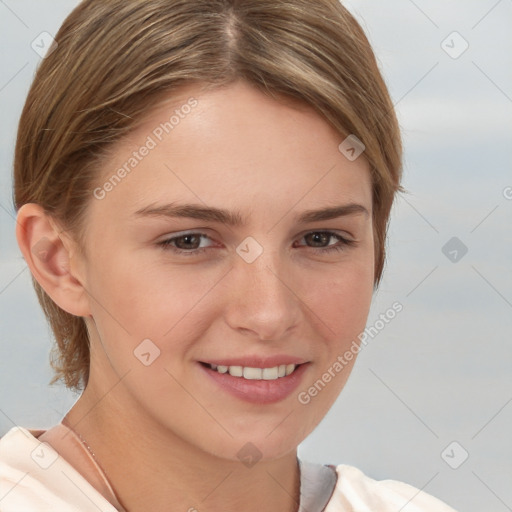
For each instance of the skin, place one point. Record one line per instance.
(169, 423)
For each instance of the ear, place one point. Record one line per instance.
(52, 258)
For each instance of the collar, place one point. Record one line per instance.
(317, 484)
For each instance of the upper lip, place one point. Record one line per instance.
(256, 361)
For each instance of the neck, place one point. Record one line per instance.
(151, 468)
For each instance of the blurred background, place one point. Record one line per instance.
(430, 399)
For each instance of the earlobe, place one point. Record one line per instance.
(48, 253)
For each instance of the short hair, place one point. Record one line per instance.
(115, 59)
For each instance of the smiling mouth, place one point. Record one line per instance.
(249, 373)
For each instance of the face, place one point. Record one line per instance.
(228, 268)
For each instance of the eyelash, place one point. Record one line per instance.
(344, 243)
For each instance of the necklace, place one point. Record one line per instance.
(84, 442)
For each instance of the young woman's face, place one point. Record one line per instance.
(218, 247)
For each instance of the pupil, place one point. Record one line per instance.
(321, 238)
(188, 240)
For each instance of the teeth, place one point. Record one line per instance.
(236, 371)
(249, 373)
(270, 373)
(253, 373)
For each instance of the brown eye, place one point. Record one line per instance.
(319, 241)
(318, 238)
(188, 244)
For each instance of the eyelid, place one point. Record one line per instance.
(340, 232)
(193, 231)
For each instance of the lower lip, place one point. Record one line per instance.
(257, 391)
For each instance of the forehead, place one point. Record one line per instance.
(234, 145)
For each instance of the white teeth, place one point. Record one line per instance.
(249, 373)
(236, 371)
(253, 373)
(270, 373)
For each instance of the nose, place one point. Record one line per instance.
(262, 302)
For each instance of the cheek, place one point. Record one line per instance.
(341, 299)
(131, 291)
(341, 303)
(136, 301)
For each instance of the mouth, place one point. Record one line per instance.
(251, 373)
(260, 382)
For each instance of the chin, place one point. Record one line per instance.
(267, 441)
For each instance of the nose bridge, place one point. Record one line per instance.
(262, 301)
(266, 274)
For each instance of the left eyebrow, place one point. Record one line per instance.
(331, 213)
(235, 218)
(192, 211)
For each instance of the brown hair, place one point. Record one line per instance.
(115, 59)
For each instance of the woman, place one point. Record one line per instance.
(203, 191)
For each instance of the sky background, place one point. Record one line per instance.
(440, 372)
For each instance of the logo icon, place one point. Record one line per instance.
(44, 45)
(42, 249)
(44, 455)
(454, 455)
(146, 352)
(454, 45)
(249, 455)
(249, 250)
(351, 148)
(454, 249)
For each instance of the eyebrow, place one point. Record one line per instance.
(220, 215)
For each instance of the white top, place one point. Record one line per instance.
(35, 478)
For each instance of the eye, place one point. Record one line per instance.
(191, 244)
(187, 244)
(320, 241)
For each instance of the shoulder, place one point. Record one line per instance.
(354, 491)
(34, 477)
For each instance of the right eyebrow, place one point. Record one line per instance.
(193, 211)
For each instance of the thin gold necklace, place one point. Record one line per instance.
(89, 449)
